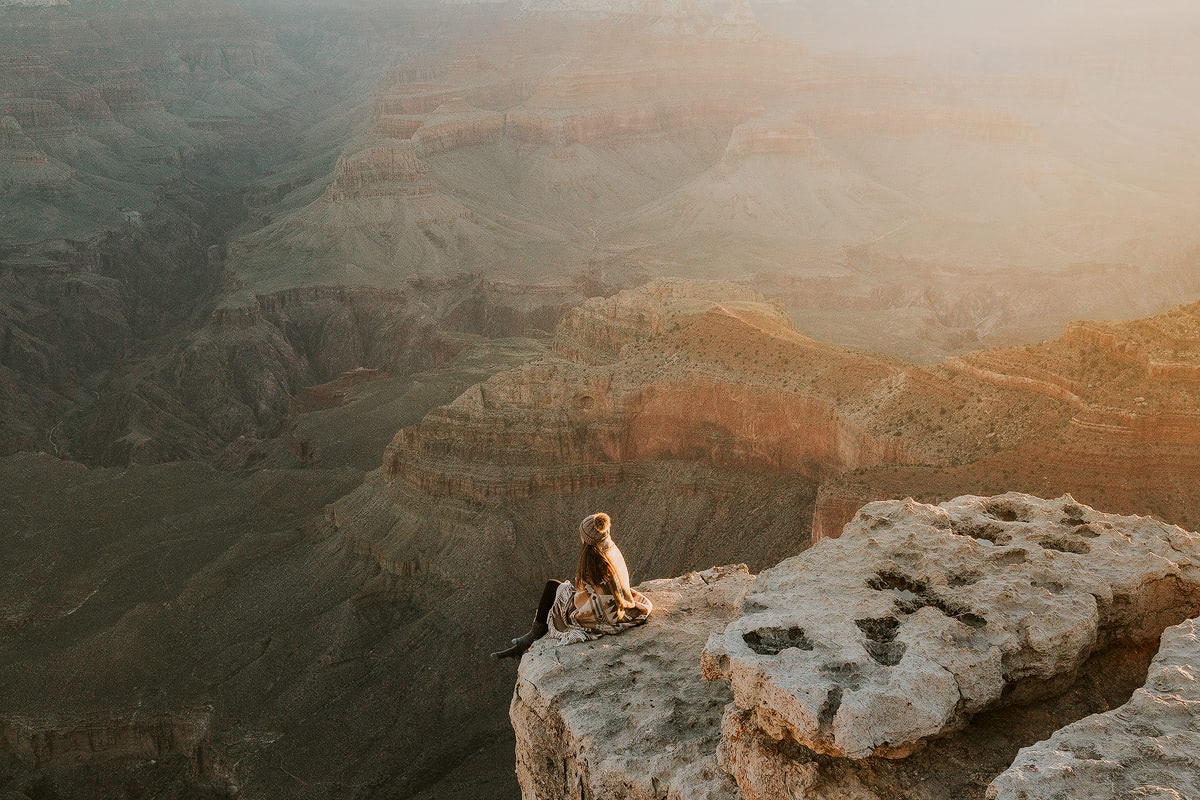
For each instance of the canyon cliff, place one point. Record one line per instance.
(322, 324)
(127, 139)
(914, 655)
(710, 373)
(764, 430)
(215, 159)
(1129, 439)
(704, 372)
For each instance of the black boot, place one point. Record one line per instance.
(523, 643)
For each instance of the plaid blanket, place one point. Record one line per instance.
(580, 614)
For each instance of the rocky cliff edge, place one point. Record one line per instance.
(914, 656)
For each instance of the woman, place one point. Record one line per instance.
(600, 602)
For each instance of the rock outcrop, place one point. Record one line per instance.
(663, 742)
(943, 612)
(916, 653)
(1149, 747)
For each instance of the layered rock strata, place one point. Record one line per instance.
(708, 372)
(914, 655)
(1129, 435)
(692, 371)
(42, 744)
(701, 143)
(498, 160)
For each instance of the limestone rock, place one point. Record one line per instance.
(594, 332)
(1149, 747)
(912, 657)
(943, 612)
(630, 716)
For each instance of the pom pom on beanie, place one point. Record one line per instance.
(594, 528)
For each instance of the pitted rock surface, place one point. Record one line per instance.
(630, 716)
(1149, 747)
(921, 616)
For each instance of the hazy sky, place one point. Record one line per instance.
(942, 24)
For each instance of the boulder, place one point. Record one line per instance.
(942, 612)
(1149, 747)
(913, 657)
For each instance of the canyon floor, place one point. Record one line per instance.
(320, 327)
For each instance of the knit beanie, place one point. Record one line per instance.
(594, 528)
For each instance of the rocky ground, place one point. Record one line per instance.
(910, 658)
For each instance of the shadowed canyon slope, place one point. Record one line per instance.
(135, 140)
(129, 137)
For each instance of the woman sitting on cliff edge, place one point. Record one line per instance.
(600, 602)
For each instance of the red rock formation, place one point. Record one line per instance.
(1130, 442)
(667, 372)
(670, 372)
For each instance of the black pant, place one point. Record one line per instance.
(547, 601)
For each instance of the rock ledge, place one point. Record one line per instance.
(860, 665)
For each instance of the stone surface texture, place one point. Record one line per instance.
(916, 653)
(1149, 747)
(630, 716)
(944, 611)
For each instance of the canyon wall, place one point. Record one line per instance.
(505, 171)
(125, 142)
(666, 372)
(707, 372)
(237, 382)
(585, 428)
(1130, 436)
(680, 144)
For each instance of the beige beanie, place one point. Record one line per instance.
(594, 528)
